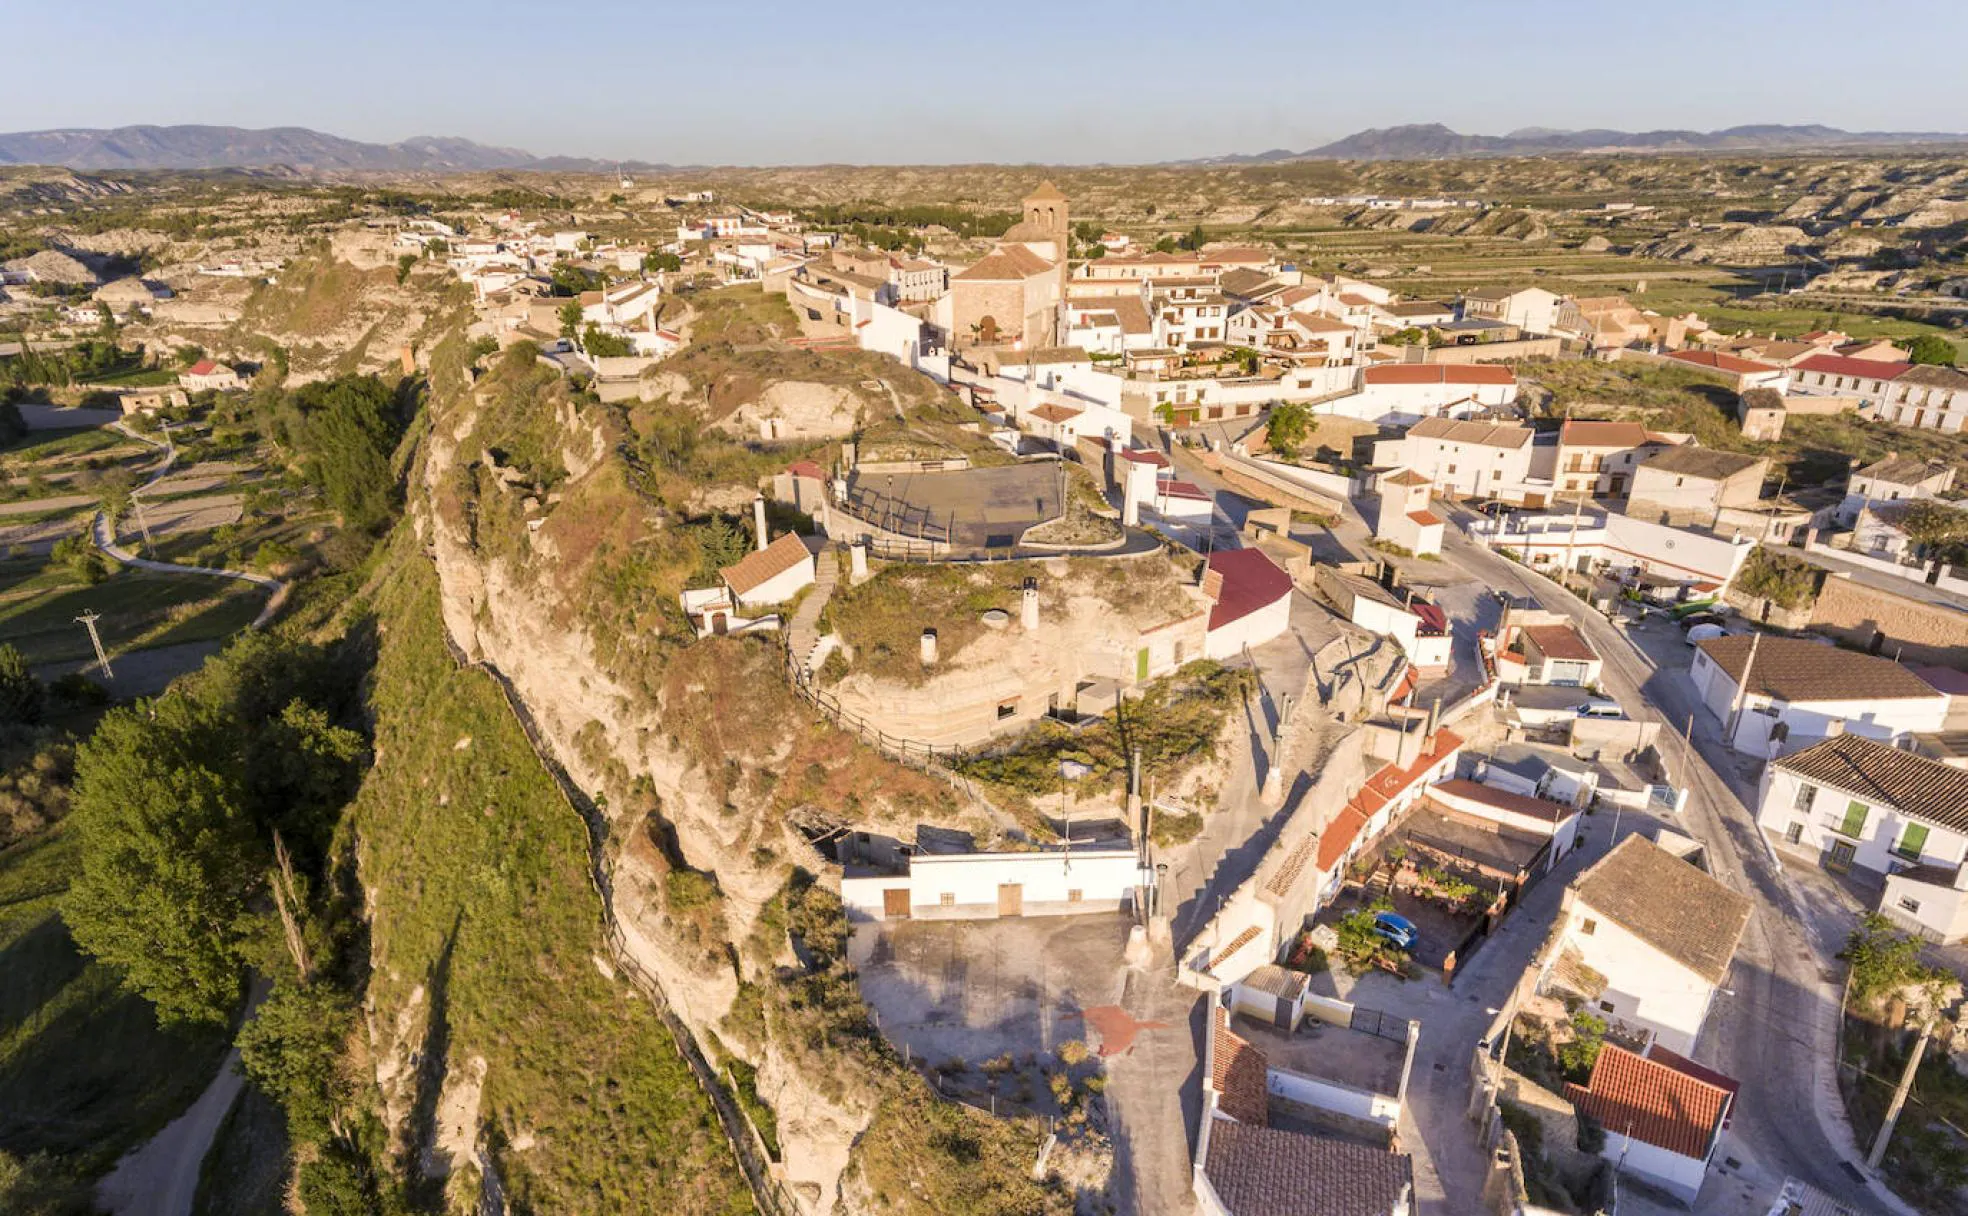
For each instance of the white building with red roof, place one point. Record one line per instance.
(1250, 601)
(1404, 518)
(1664, 1115)
(1405, 393)
(210, 374)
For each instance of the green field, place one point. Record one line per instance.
(68, 441)
(138, 610)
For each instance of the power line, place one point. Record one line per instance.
(88, 621)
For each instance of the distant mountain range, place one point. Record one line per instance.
(298, 148)
(201, 147)
(1433, 141)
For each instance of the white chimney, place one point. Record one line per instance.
(929, 648)
(1028, 608)
(758, 519)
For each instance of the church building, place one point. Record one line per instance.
(1011, 296)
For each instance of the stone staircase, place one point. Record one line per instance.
(803, 631)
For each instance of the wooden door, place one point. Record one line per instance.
(1283, 1017)
(895, 903)
(1839, 858)
(1011, 899)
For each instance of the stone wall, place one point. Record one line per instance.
(1910, 629)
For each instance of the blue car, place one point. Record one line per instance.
(1397, 929)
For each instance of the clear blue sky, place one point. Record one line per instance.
(768, 82)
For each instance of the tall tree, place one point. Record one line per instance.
(168, 857)
(1931, 348)
(21, 695)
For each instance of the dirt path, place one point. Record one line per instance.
(160, 1176)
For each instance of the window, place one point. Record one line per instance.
(1605, 1006)
(1909, 905)
(1806, 794)
(948, 899)
(1854, 822)
(1589, 927)
(1008, 709)
(1913, 838)
(1794, 833)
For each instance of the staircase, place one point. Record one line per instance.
(803, 631)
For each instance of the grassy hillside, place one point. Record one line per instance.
(476, 873)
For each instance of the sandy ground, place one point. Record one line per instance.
(183, 515)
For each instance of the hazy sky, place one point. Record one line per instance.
(1003, 80)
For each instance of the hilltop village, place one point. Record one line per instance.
(1257, 741)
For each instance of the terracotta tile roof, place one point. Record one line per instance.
(1602, 434)
(1006, 262)
(1251, 581)
(1264, 1171)
(1487, 434)
(1842, 365)
(1793, 669)
(1439, 373)
(1236, 943)
(1653, 1102)
(1237, 1072)
(1721, 362)
(1145, 456)
(1054, 413)
(760, 566)
(204, 367)
(1417, 308)
(1504, 800)
(1302, 854)
(807, 468)
(1560, 642)
(1903, 470)
(1880, 773)
(1933, 376)
(1667, 903)
(1338, 837)
(1128, 310)
(1407, 477)
(1427, 519)
(1169, 487)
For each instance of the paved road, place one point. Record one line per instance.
(1774, 1028)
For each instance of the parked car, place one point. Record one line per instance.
(1600, 707)
(1397, 929)
(1703, 618)
(1702, 633)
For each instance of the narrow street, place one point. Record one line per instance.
(1775, 1025)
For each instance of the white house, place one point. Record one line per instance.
(1894, 478)
(1053, 881)
(1511, 813)
(1183, 500)
(1251, 597)
(1469, 459)
(1852, 802)
(1409, 392)
(772, 574)
(1645, 939)
(1799, 691)
(1404, 518)
(1621, 543)
(1663, 1115)
(208, 374)
(1532, 309)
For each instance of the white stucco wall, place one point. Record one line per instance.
(1253, 629)
(1819, 826)
(1105, 880)
(1646, 989)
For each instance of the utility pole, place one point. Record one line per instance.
(88, 621)
(1742, 689)
(1878, 1153)
(143, 525)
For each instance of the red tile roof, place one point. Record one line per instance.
(1236, 943)
(1721, 362)
(1654, 1102)
(204, 367)
(757, 568)
(1602, 434)
(1842, 365)
(1144, 456)
(1251, 581)
(1237, 1073)
(1438, 373)
(1504, 800)
(1426, 519)
(1338, 837)
(1169, 487)
(807, 468)
(1560, 642)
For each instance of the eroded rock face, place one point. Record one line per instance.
(507, 606)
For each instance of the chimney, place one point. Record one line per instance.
(758, 519)
(929, 648)
(1028, 607)
(1212, 583)
(1434, 717)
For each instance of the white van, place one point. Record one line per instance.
(1601, 707)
